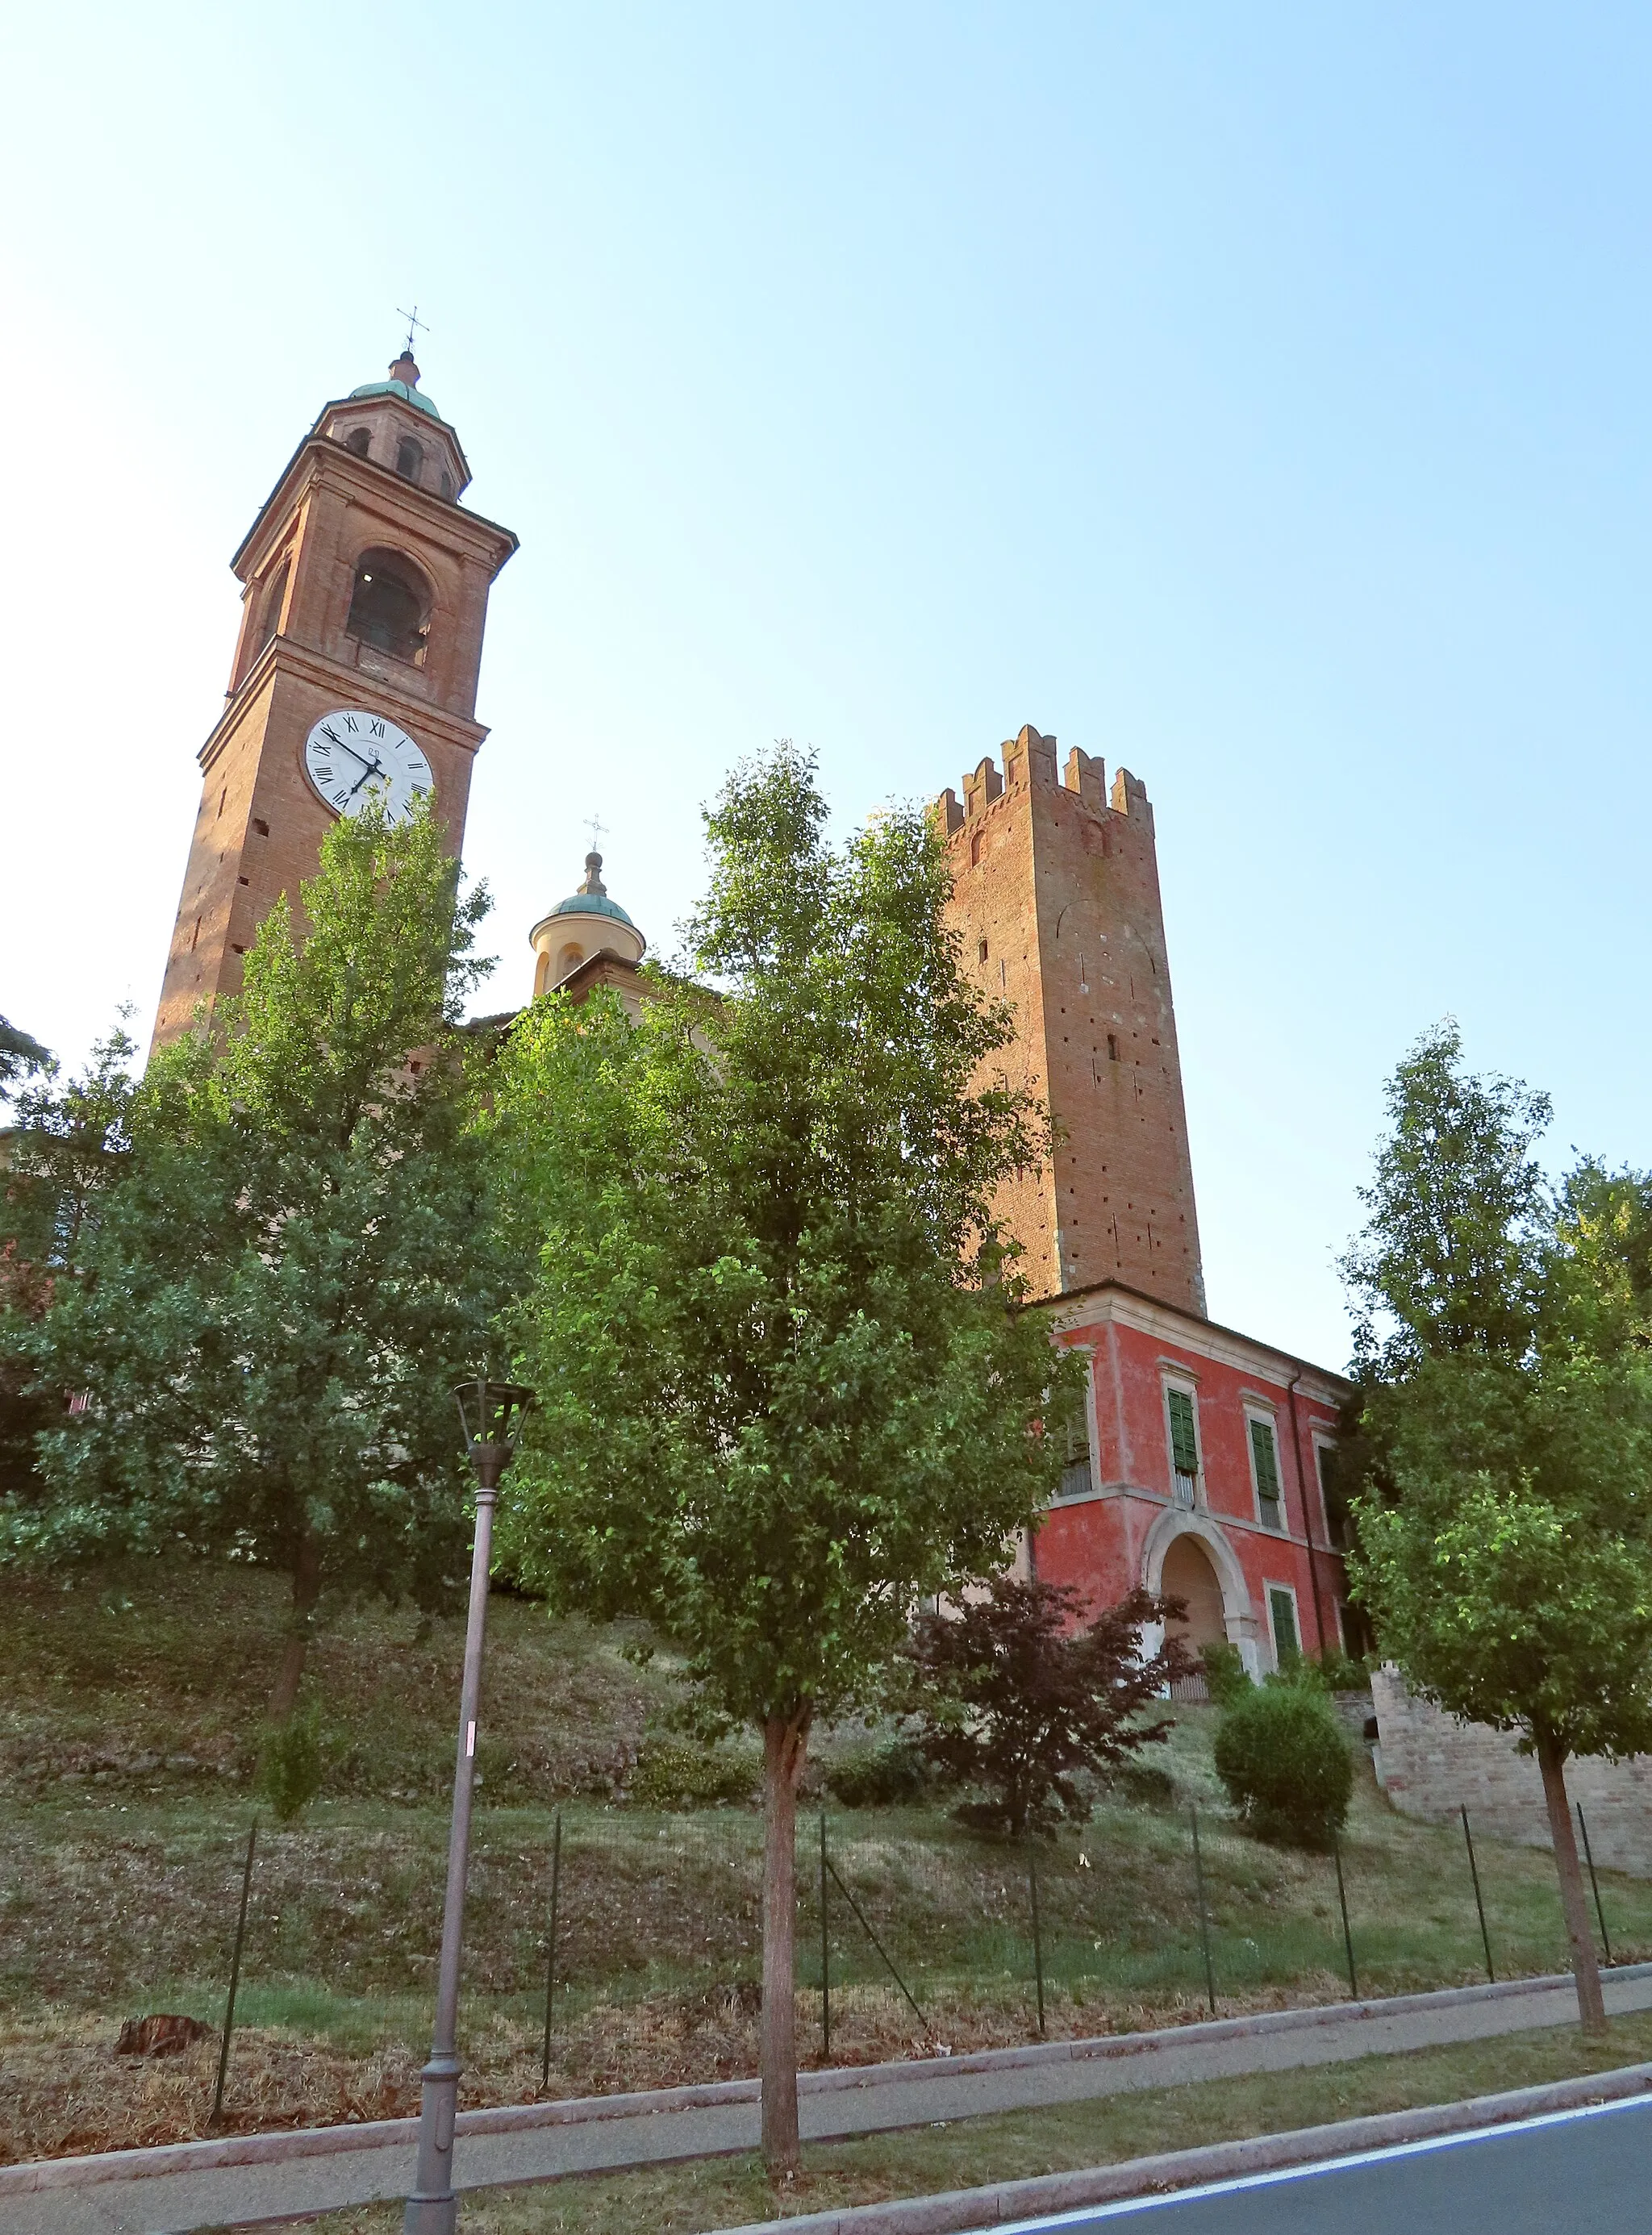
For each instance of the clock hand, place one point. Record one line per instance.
(371, 768)
(354, 755)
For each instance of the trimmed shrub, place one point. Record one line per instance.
(674, 1773)
(881, 1775)
(289, 1764)
(1226, 1677)
(1282, 1755)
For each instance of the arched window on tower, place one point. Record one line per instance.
(408, 458)
(274, 599)
(389, 606)
(358, 440)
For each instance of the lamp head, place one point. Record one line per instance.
(491, 1414)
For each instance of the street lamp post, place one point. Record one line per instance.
(491, 1413)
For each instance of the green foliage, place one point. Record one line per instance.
(785, 1390)
(1020, 1699)
(1505, 1433)
(290, 1765)
(1504, 1437)
(268, 1304)
(19, 1055)
(1282, 1756)
(685, 1773)
(1341, 1672)
(885, 1773)
(1509, 1569)
(1226, 1677)
(783, 1387)
(1450, 1258)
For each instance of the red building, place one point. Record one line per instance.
(1203, 1473)
(1202, 1469)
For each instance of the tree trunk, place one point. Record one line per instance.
(1591, 2007)
(785, 1741)
(306, 1590)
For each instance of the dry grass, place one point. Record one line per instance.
(119, 1883)
(64, 2091)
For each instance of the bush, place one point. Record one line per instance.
(881, 1775)
(289, 1764)
(1226, 1677)
(1282, 1755)
(682, 1772)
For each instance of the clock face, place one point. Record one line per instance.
(352, 757)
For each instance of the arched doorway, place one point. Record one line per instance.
(1188, 1574)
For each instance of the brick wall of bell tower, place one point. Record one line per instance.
(1055, 897)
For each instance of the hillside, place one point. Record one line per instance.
(129, 1728)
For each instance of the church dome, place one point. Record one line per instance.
(591, 903)
(403, 382)
(587, 923)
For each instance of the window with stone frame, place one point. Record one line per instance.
(1074, 1430)
(1264, 1465)
(1182, 1417)
(1281, 1618)
(1336, 1505)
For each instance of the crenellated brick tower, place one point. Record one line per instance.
(1055, 893)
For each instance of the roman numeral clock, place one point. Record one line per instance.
(364, 597)
(352, 757)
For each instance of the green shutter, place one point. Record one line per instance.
(1184, 1444)
(1267, 1457)
(1286, 1646)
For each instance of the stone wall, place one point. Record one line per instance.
(1431, 1764)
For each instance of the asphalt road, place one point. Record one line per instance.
(1577, 2172)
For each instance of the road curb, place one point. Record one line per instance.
(964, 2211)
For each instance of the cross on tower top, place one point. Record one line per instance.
(599, 831)
(414, 322)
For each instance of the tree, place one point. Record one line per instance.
(19, 1055)
(785, 1389)
(289, 1271)
(1505, 1530)
(1019, 1697)
(67, 1148)
(1450, 1258)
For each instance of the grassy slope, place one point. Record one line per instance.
(129, 1724)
(724, 2192)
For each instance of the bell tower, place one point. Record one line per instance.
(365, 586)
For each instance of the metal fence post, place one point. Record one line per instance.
(1037, 1937)
(1600, 1913)
(1204, 1915)
(1342, 1899)
(234, 1976)
(1473, 1872)
(550, 1947)
(825, 1950)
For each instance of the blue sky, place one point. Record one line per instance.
(1256, 397)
